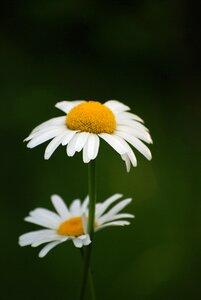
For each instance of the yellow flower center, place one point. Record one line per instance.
(72, 227)
(91, 116)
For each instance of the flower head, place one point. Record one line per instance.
(71, 223)
(85, 122)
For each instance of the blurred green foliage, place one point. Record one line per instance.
(146, 54)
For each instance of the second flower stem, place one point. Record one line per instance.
(91, 218)
(92, 197)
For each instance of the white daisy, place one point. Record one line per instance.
(85, 122)
(71, 223)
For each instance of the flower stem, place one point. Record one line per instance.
(91, 281)
(92, 197)
(87, 256)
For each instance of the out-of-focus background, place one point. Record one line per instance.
(147, 55)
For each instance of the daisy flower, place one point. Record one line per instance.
(85, 122)
(71, 223)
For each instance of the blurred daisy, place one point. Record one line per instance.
(85, 122)
(71, 223)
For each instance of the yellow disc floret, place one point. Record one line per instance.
(71, 227)
(91, 116)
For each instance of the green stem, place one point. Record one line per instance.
(91, 281)
(91, 284)
(92, 197)
(92, 205)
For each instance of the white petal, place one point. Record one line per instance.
(81, 140)
(47, 240)
(53, 145)
(29, 237)
(133, 124)
(52, 122)
(48, 247)
(69, 135)
(78, 242)
(43, 212)
(116, 106)
(70, 150)
(66, 106)
(43, 137)
(84, 222)
(85, 154)
(77, 142)
(103, 206)
(115, 223)
(43, 130)
(81, 237)
(75, 208)
(129, 152)
(98, 206)
(125, 157)
(85, 204)
(141, 134)
(113, 142)
(40, 222)
(44, 217)
(129, 116)
(93, 146)
(142, 148)
(111, 217)
(119, 207)
(87, 240)
(60, 207)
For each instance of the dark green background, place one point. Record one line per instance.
(147, 55)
